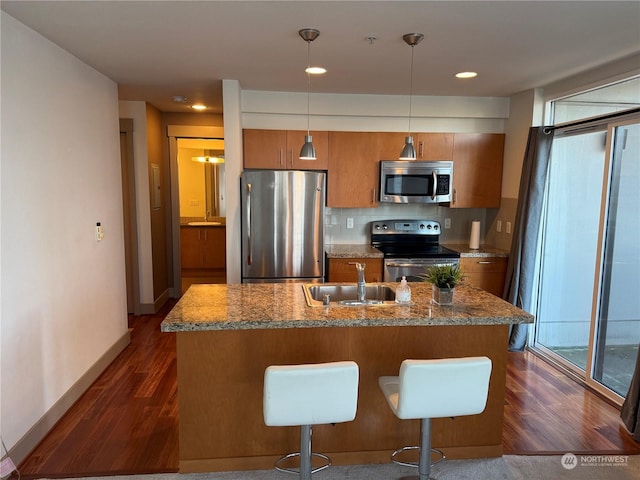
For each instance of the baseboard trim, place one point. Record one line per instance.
(36, 434)
(153, 308)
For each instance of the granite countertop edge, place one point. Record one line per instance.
(270, 306)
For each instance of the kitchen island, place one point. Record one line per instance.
(228, 334)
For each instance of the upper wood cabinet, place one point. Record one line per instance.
(353, 173)
(477, 170)
(429, 146)
(279, 149)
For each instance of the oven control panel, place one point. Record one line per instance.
(413, 227)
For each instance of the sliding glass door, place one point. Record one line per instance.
(618, 316)
(588, 315)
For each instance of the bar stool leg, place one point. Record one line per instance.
(305, 452)
(424, 463)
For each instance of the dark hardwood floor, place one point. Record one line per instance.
(127, 422)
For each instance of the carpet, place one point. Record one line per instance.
(508, 467)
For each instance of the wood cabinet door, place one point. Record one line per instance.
(295, 140)
(487, 273)
(342, 270)
(190, 247)
(477, 170)
(264, 148)
(353, 174)
(214, 250)
(429, 146)
(434, 146)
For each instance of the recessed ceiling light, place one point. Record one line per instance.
(179, 98)
(466, 74)
(199, 107)
(315, 70)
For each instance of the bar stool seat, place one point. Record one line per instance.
(306, 395)
(427, 389)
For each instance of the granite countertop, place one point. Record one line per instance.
(282, 305)
(483, 251)
(352, 251)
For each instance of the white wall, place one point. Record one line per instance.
(63, 293)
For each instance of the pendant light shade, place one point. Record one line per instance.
(409, 151)
(308, 151)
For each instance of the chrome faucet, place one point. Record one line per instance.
(361, 290)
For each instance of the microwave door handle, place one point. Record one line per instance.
(435, 185)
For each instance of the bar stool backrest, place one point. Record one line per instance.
(310, 394)
(443, 388)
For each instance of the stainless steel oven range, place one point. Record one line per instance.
(409, 247)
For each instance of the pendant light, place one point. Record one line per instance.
(409, 151)
(308, 151)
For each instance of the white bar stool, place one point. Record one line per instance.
(307, 395)
(429, 389)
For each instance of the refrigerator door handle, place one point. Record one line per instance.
(249, 224)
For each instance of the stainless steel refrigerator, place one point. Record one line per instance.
(282, 225)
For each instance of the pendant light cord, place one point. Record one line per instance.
(308, 85)
(410, 90)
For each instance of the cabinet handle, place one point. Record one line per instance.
(486, 263)
(373, 196)
(199, 233)
(281, 158)
(249, 262)
(291, 158)
(455, 196)
(421, 143)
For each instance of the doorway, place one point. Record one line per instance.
(129, 216)
(204, 255)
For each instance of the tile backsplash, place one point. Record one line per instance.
(337, 221)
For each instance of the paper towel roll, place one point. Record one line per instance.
(474, 240)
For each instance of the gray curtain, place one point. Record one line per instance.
(630, 412)
(524, 245)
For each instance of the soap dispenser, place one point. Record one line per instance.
(403, 292)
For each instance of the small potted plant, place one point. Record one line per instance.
(444, 278)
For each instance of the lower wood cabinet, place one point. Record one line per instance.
(487, 273)
(342, 270)
(203, 247)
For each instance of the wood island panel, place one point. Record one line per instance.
(220, 382)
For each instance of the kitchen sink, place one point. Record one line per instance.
(203, 224)
(345, 294)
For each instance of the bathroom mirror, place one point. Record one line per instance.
(201, 178)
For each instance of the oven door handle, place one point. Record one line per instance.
(408, 264)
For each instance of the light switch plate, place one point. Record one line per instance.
(499, 226)
(99, 232)
(447, 223)
(349, 222)
(508, 229)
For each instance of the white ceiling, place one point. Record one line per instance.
(157, 49)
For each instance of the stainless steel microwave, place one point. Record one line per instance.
(411, 181)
